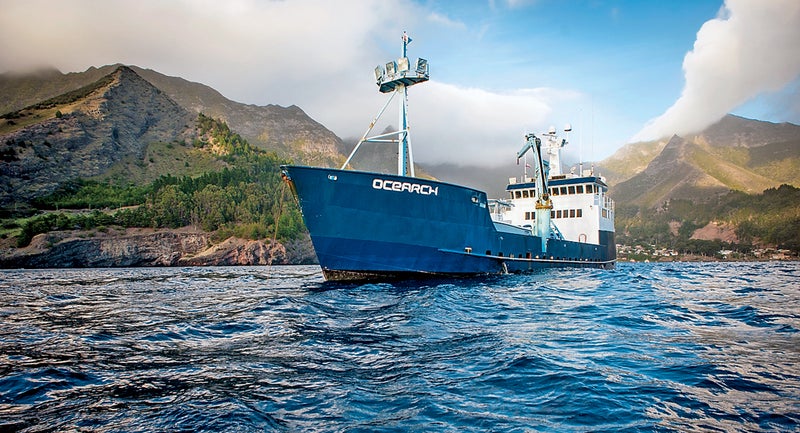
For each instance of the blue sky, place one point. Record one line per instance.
(616, 70)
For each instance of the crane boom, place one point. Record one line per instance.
(543, 203)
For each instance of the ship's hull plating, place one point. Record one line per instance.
(377, 226)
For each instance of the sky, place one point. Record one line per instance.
(618, 71)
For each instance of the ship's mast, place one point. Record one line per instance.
(395, 78)
(404, 144)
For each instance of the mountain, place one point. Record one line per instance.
(84, 133)
(731, 186)
(84, 167)
(733, 154)
(630, 160)
(288, 131)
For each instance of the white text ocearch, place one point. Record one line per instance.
(397, 186)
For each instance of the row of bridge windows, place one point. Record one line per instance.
(565, 213)
(557, 190)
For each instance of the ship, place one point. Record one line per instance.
(376, 226)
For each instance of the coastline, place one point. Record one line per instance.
(146, 247)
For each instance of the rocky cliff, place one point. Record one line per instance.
(147, 247)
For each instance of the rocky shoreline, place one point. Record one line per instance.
(148, 247)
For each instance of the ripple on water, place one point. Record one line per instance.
(644, 347)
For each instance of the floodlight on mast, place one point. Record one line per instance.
(395, 78)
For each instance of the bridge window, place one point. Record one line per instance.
(558, 214)
(525, 194)
(571, 189)
(579, 189)
(518, 194)
(553, 191)
(563, 190)
(589, 189)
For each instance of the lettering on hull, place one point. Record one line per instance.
(397, 186)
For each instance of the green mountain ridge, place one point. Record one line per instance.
(629, 160)
(288, 131)
(733, 154)
(668, 191)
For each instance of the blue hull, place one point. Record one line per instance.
(376, 226)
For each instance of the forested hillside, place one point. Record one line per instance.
(246, 199)
(116, 161)
(769, 218)
(740, 175)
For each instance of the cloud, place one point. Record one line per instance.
(748, 49)
(316, 54)
(452, 124)
(243, 48)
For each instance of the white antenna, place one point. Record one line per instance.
(525, 170)
(591, 155)
(580, 142)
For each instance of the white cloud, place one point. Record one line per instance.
(241, 48)
(750, 48)
(316, 54)
(475, 126)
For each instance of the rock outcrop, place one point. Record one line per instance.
(143, 247)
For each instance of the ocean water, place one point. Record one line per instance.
(645, 347)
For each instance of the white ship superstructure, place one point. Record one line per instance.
(581, 208)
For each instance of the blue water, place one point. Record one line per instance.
(646, 347)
